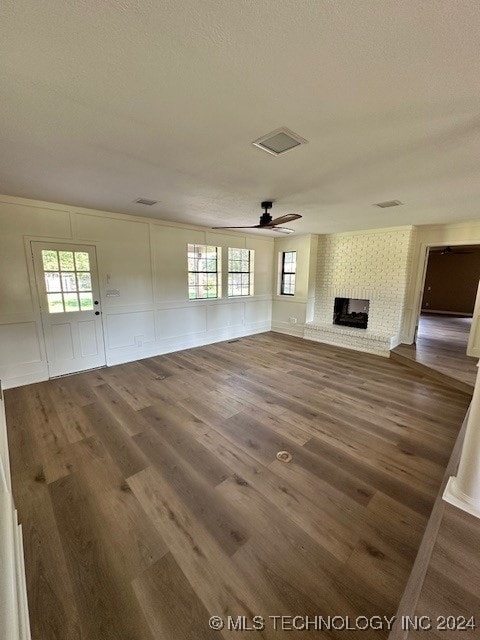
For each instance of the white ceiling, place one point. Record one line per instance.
(103, 102)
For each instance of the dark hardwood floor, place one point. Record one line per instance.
(151, 497)
(442, 346)
(450, 595)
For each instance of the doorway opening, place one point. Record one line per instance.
(446, 333)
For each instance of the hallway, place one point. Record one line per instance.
(442, 345)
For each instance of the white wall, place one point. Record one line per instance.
(299, 306)
(146, 261)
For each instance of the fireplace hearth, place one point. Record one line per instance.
(351, 312)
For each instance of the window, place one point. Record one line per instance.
(203, 272)
(240, 272)
(68, 281)
(289, 268)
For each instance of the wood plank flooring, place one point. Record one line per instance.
(151, 497)
(452, 584)
(442, 346)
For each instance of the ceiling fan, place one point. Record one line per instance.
(447, 251)
(266, 221)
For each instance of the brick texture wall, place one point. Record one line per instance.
(371, 265)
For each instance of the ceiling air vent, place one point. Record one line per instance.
(388, 203)
(146, 201)
(279, 141)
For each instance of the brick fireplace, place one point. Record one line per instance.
(366, 266)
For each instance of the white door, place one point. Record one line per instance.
(473, 348)
(67, 283)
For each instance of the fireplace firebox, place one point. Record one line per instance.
(351, 312)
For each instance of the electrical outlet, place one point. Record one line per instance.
(138, 341)
(292, 320)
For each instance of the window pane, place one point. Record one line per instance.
(55, 304)
(289, 284)
(239, 272)
(66, 260)
(86, 301)
(50, 260)
(69, 282)
(71, 302)
(202, 262)
(82, 261)
(84, 282)
(211, 264)
(52, 281)
(289, 265)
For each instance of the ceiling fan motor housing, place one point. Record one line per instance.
(266, 218)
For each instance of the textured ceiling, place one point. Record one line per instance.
(105, 102)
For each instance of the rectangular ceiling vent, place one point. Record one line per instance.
(388, 203)
(146, 201)
(279, 141)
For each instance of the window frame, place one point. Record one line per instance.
(249, 273)
(288, 273)
(207, 248)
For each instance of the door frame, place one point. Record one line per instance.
(422, 268)
(35, 296)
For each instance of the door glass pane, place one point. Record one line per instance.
(71, 302)
(67, 272)
(50, 260)
(84, 282)
(55, 304)
(82, 261)
(86, 301)
(52, 281)
(69, 282)
(66, 260)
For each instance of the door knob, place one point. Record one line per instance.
(95, 302)
(97, 313)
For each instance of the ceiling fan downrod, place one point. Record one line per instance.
(266, 218)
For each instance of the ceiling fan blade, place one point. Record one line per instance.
(268, 223)
(287, 218)
(283, 230)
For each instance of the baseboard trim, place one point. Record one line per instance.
(28, 378)
(448, 313)
(288, 329)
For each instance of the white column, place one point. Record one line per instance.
(463, 490)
